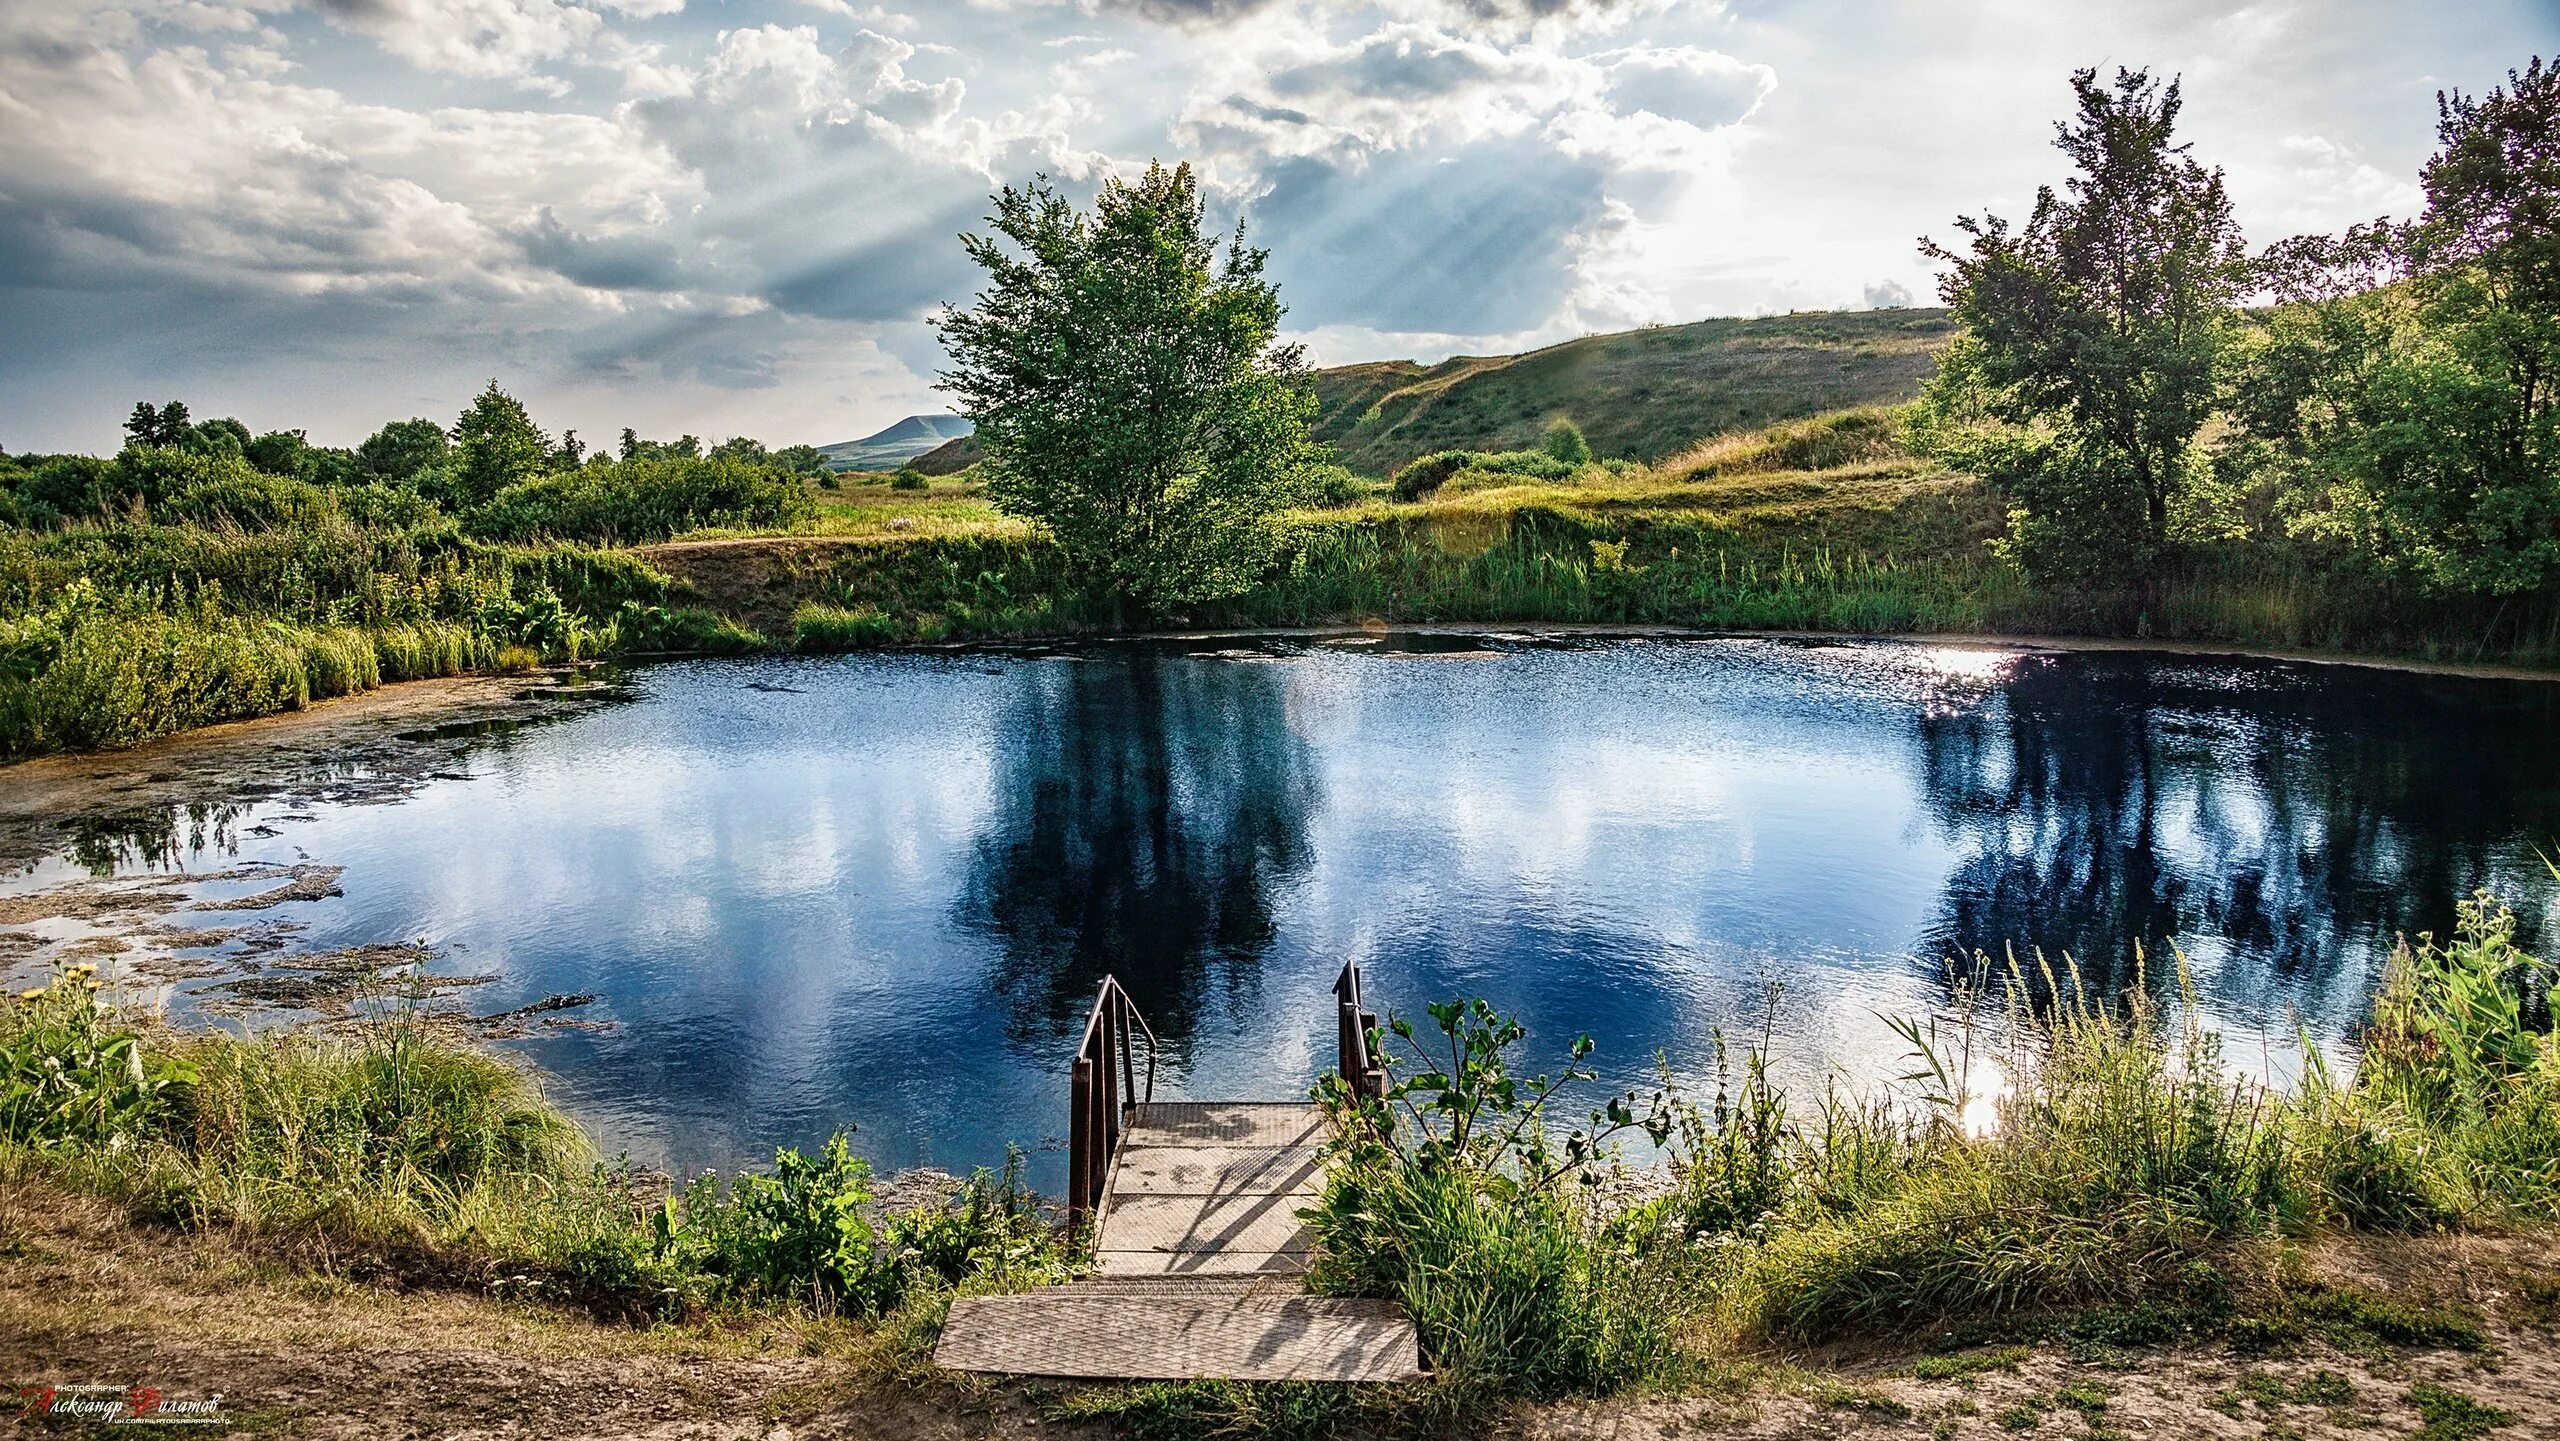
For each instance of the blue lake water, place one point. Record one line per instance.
(881, 889)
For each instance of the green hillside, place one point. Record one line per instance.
(1638, 395)
(1641, 394)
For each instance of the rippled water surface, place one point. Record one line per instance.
(881, 889)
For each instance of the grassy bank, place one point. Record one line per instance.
(393, 1146)
(1823, 525)
(116, 631)
(2060, 1169)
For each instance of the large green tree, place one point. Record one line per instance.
(2410, 384)
(1129, 387)
(2093, 332)
(495, 444)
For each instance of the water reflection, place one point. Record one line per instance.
(881, 889)
(1147, 808)
(2281, 823)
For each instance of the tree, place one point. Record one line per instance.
(2411, 380)
(164, 425)
(2095, 330)
(400, 451)
(1129, 387)
(1563, 441)
(495, 444)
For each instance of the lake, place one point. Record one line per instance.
(881, 889)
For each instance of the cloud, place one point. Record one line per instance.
(1471, 241)
(1704, 88)
(471, 37)
(1886, 295)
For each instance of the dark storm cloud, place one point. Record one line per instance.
(1469, 242)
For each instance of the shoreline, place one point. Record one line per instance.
(46, 798)
(1967, 640)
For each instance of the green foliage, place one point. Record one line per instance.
(2451, 1416)
(807, 1232)
(406, 453)
(643, 499)
(69, 1078)
(1563, 442)
(2095, 331)
(803, 1232)
(2407, 396)
(1965, 1365)
(495, 445)
(1454, 1198)
(1450, 469)
(1129, 388)
(908, 477)
(388, 1139)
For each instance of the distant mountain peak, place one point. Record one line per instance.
(895, 446)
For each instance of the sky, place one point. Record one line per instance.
(726, 217)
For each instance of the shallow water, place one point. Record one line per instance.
(881, 889)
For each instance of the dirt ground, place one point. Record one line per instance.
(88, 1299)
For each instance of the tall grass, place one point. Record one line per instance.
(113, 634)
(2049, 1153)
(396, 1142)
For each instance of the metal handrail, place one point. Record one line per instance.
(1106, 1074)
(1362, 1062)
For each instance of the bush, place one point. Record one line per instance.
(1332, 486)
(67, 1077)
(820, 629)
(643, 499)
(250, 501)
(1454, 1198)
(908, 478)
(807, 1232)
(1563, 443)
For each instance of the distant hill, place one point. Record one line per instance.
(897, 445)
(951, 457)
(1640, 394)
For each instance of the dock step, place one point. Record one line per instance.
(1180, 1334)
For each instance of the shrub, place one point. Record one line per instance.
(250, 500)
(1333, 486)
(1453, 1198)
(908, 478)
(68, 1077)
(646, 498)
(807, 1231)
(1564, 444)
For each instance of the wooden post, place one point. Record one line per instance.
(1373, 1077)
(1080, 1142)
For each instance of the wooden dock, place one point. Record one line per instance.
(1198, 1250)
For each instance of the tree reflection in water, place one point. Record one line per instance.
(1149, 804)
(2285, 821)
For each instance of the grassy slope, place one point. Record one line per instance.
(1640, 395)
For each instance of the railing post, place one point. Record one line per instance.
(1080, 1141)
(1373, 1077)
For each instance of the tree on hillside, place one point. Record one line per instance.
(2412, 381)
(2094, 329)
(1129, 388)
(495, 444)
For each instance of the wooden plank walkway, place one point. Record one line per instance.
(1197, 1259)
